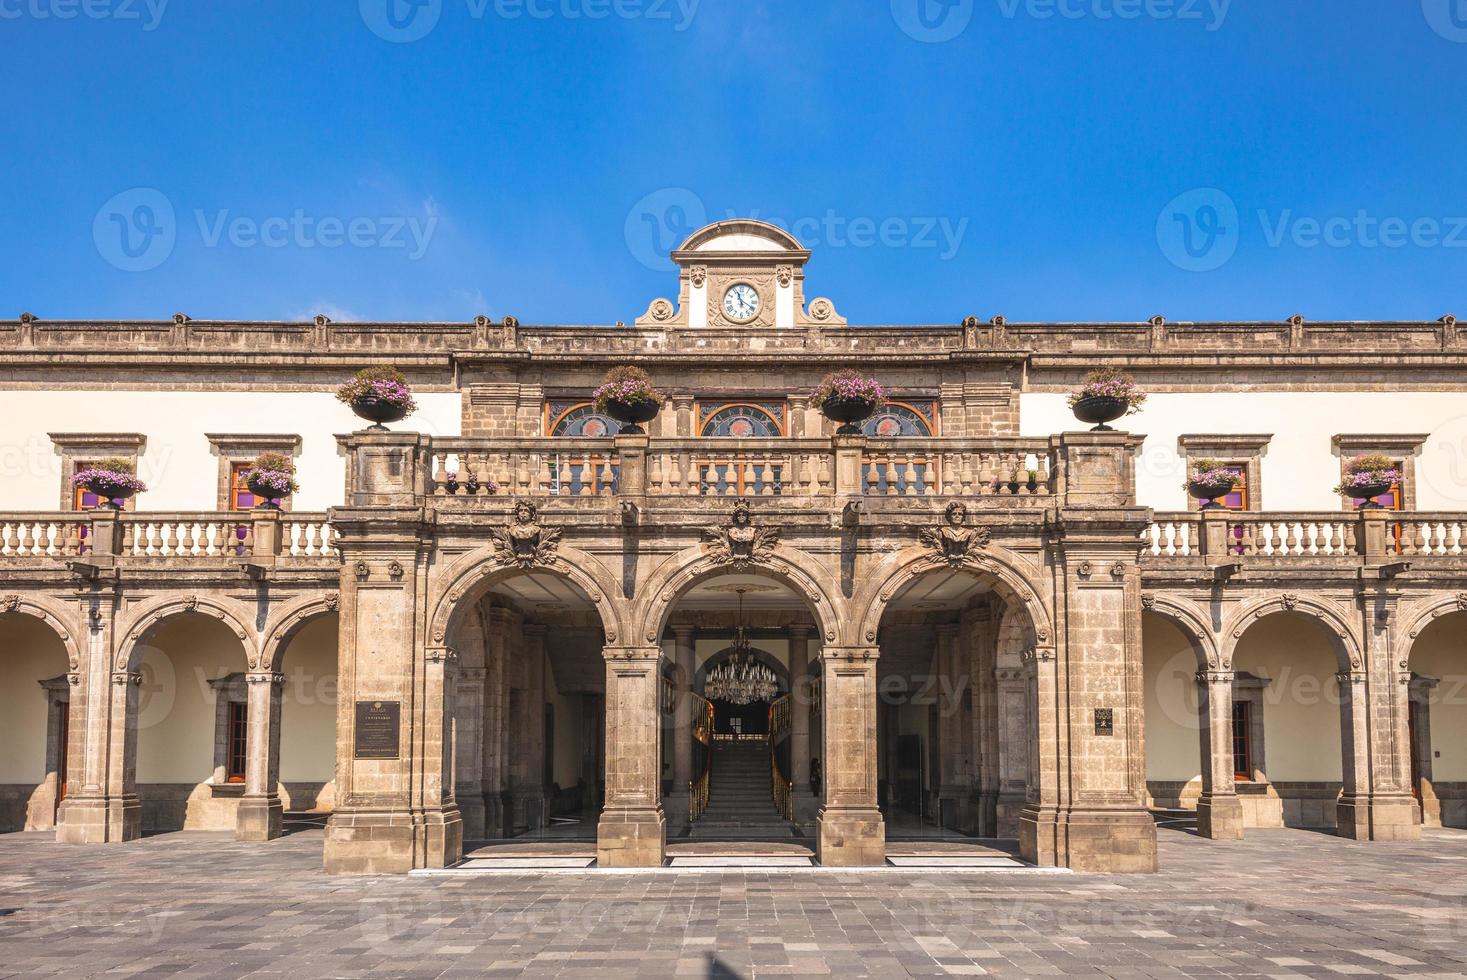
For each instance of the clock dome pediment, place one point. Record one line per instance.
(741, 235)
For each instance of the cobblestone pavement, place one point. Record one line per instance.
(1281, 904)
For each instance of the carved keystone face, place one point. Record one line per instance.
(524, 513)
(957, 514)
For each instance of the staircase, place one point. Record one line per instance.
(740, 803)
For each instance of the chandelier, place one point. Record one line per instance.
(741, 679)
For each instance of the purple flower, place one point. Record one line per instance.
(848, 386)
(110, 479)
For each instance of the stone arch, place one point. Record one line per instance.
(903, 568)
(152, 615)
(1192, 624)
(1424, 615)
(473, 575)
(56, 618)
(757, 655)
(788, 566)
(289, 623)
(1335, 622)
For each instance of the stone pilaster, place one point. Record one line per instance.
(259, 815)
(395, 809)
(1219, 811)
(498, 813)
(468, 711)
(632, 832)
(956, 803)
(1090, 812)
(102, 805)
(1378, 804)
(679, 803)
(850, 829)
(805, 803)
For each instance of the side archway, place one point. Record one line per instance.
(790, 567)
(152, 616)
(995, 566)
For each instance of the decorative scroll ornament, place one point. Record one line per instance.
(741, 544)
(10, 603)
(524, 542)
(953, 542)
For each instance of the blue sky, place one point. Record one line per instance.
(1043, 159)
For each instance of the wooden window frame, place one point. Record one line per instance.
(79, 449)
(232, 449)
(1245, 452)
(1242, 740)
(237, 741)
(1403, 448)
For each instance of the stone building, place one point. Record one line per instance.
(506, 617)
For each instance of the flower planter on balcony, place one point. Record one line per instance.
(1100, 410)
(632, 414)
(379, 412)
(848, 412)
(1208, 493)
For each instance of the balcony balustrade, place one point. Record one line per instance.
(145, 536)
(1013, 468)
(1375, 535)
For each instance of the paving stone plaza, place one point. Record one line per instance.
(1285, 903)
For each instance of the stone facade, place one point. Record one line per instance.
(514, 655)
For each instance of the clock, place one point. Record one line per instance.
(741, 303)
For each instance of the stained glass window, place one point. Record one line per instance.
(898, 419)
(742, 422)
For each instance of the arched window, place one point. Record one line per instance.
(580, 419)
(744, 422)
(900, 419)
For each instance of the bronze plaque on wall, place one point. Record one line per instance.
(378, 729)
(1105, 721)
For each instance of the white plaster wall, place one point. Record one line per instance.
(178, 464)
(1441, 652)
(1173, 735)
(1301, 708)
(29, 652)
(308, 704)
(176, 705)
(1300, 467)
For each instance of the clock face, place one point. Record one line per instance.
(741, 302)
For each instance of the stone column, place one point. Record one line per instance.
(851, 831)
(1219, 811)
(1012, 708)
(532, 783)
(954, 738)
(104, 705)
(259, 815)
(805, 803)
(395, 809)
(632, 832)
(468, 711)
(1091, 812)
(497, 811)
(1377, 803)
(679, 804)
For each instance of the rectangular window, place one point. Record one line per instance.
(237, 736)
(1395, 499)
(1242, 741)
(240, 497)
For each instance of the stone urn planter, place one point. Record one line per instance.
(1100, 410)
(632, 415)
(378, 394)
(1208, 493)
(848, 413)
(626, 394)
(112, 481)
(378, 412)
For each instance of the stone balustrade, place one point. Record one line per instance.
(1020, 470)
(149, 537)
(1375, 536)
